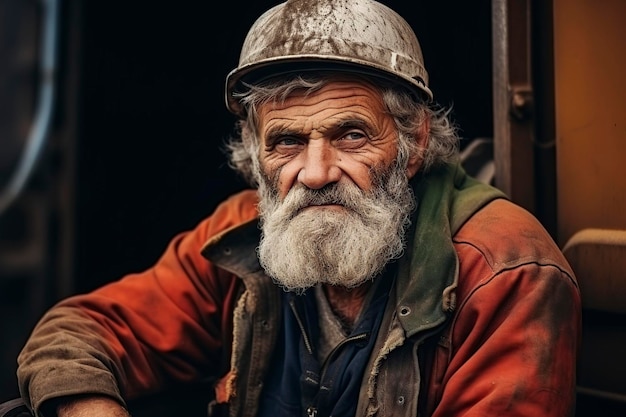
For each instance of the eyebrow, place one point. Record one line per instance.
(278, 132)
(355, 122)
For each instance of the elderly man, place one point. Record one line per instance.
(365, 274)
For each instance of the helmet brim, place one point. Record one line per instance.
(259, 71)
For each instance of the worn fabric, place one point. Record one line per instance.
(484, 318)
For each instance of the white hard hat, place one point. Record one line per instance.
(361, 36)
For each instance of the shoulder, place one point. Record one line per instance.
(510, 265)
(503, 236)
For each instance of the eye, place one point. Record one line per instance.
(285, 144)
(355, 135)
(287, 141)
(352, 139)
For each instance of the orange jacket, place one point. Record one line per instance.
(484, 320)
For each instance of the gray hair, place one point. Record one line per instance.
(408, 113)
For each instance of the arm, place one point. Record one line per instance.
(512, 347)
(92, 407)
(141, 334)
(512, 344)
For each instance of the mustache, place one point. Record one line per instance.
(346, 195)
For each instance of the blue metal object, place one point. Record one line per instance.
(40, 128)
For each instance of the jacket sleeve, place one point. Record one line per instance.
(170, 323)
(511, 348)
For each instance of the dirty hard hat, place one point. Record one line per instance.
(361, 36)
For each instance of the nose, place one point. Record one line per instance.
(320, 166)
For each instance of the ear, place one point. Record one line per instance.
(421, 136)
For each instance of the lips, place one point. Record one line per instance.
(325, 205)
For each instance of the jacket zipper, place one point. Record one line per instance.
(311, 411)
(356, 337)
(305, 336)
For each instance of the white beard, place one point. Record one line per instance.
(346, 246)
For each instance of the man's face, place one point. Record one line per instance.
(340, 133)
(334, 203)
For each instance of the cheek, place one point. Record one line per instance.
(284, 177)
(269, 165)
(360, 175)
(276, 175)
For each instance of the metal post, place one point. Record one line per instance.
(513, 100)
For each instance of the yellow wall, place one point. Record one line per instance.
(590, 81)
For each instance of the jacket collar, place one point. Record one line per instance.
(234, 249)
(428, 273)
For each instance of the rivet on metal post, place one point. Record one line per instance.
(522, 103)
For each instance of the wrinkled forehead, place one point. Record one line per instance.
(279, 89)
